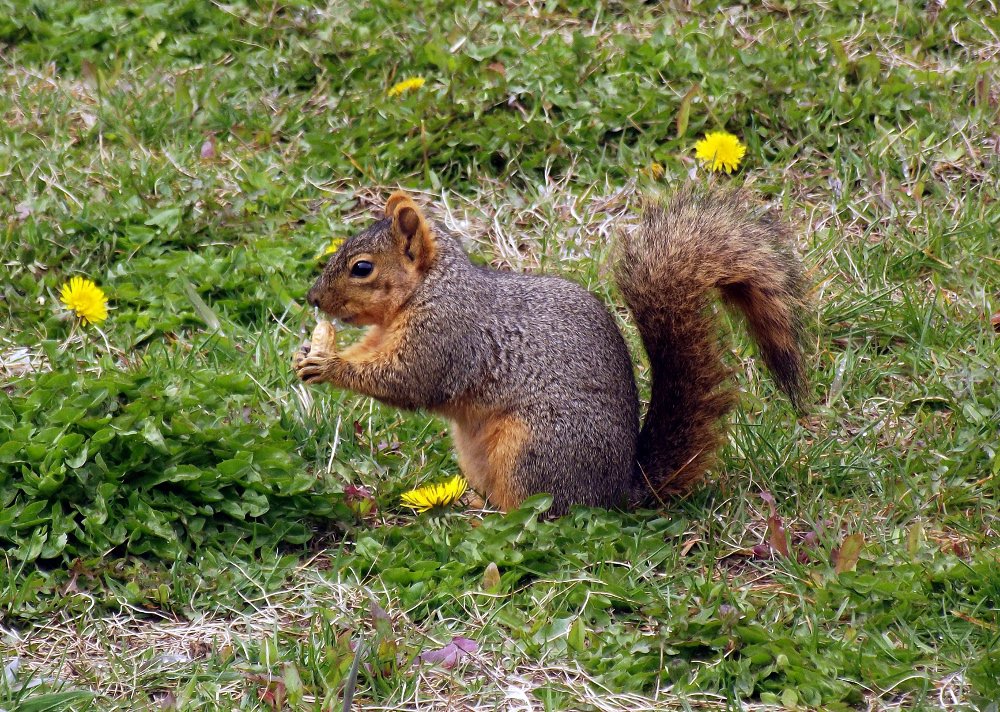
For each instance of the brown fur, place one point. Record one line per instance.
(532, 371)
(489, 446)
(379, 342)
(668, 270)
(409, 223)
(399, 266)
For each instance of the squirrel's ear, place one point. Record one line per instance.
(394, 200)
(411, 230)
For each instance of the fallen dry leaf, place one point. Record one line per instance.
(448, 656)
(491, 577)
(777, 537)
(208, 149)
(845, 557)
(688, 545)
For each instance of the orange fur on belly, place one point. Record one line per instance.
(488, 447)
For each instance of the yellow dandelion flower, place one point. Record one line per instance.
(334, 245)
(406, 85)
(720, 150)
(437, 495)
(653, 170)
(86, 299)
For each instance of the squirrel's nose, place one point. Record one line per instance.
(312, 298)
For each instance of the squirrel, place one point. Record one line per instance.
(533, 372)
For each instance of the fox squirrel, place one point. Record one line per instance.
(532, 371)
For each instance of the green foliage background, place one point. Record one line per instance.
(139, 460)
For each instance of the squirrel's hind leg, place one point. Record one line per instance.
(489, 448)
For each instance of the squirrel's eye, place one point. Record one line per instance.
(362, 268)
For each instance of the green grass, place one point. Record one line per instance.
(174, 520)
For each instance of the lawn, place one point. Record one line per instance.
(184, 526)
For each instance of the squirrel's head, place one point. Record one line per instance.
(374, 273)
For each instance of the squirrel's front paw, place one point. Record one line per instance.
(301, 354)
(313, 360)
(311, 366)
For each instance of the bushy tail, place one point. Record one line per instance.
(667, 270)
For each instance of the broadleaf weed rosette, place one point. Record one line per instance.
(85, 299)
(720, 151)
(440, 494)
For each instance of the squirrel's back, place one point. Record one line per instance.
(557, 364)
